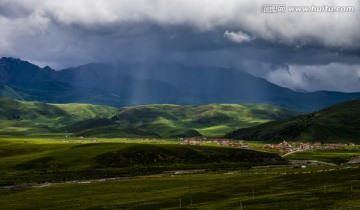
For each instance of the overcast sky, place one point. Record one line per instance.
(301, 50)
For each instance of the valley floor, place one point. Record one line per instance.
(262, 186)
(329, 189)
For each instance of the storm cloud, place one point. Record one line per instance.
(321, 77)
(227, 33)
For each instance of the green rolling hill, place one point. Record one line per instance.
(208, 120)
(34, 118)
(29, 118)
(338, 123)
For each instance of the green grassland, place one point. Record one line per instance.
(338, 156)
(326, 190)
(20, 118)
(88, 111)
(36, 118)
(233, 179)
(46, 160)
(338, 123)
(208, 120)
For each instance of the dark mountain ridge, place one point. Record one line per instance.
(152, 83)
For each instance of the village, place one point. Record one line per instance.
(284, 146)
(304, 146)
(217, 141)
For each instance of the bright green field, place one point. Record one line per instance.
(331, 156)
(326, 190)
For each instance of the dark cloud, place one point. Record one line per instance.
(9, 9)
(218, 33)
(334, 76)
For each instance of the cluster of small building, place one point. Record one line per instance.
(218, 141)
(296, 146)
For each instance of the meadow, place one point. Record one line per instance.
(123, 173)
(32, 160)
(337, 156)
(337, 189)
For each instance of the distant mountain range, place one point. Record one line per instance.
(152, 83)
(338, 123)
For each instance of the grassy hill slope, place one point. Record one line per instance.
(20, 117)
(338, 123)
(208, 120)
(88, 111)
(33, 118)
